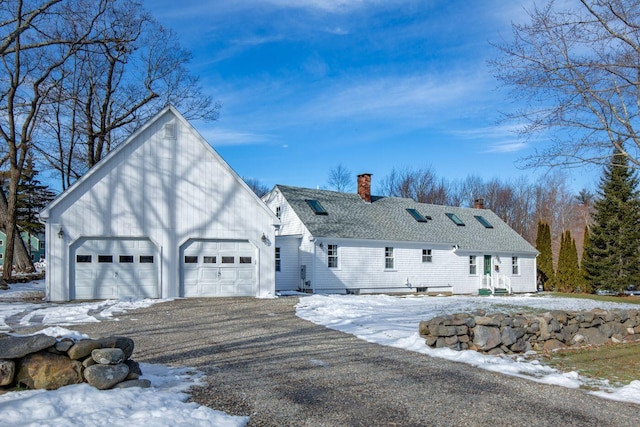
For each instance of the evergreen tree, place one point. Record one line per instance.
(585, 285)
(545, 259)
(32, 198)
(568, 274)
(613, 253)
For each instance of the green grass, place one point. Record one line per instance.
(618, 363)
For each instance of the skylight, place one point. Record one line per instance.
(316, 207)
(482, 220)
(416, 215)
(453, 217)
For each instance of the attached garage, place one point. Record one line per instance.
(114, 268)
(161, 216)
(218, 268)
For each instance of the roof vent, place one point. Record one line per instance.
(170, 131)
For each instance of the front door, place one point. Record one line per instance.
(487, 265)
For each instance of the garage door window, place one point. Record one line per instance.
(83, 258)
(125, 259)
(245, 260)
(146, 259)
(105, 258)
(209, 260)
(190, 259)
(227, 259)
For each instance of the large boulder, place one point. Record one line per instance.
(48, 371)
(486, 337)
(124, 343)
(16, 347)
(104, 377)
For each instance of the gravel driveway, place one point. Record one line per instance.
(263, 361)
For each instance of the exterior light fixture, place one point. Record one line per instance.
(60, 233)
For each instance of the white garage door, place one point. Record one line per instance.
(218, 268)
(115, 268)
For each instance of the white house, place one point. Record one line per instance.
(331, 242)
(161, 216)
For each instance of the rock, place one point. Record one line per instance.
(431, 340)
(88, 362)
(123, 343)
(7, 371)
(64, 345)
(593, 336)
(134, 369)
(16, 347)
(142, 383)
(83, 348)
(508, 336)
(486, 321)
(442, 331)
(48, 371)
(108, 356)
(423, 328)
(486, 337)
(104, 377)
(553, 344)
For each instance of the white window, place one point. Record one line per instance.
(332, 256)
(473, 265)
(515, 270)
(278, 212)
(278, 266)
(426, 255)
(388, 258)
(1, 242)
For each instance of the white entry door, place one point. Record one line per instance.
(218, 268)
(114, 268)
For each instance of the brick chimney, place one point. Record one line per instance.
(364, 186)
(478, 204)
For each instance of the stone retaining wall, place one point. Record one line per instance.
(44, 362)
(519, 333)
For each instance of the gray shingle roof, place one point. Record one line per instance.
(386, 218)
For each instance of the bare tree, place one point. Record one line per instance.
(341, 179)
(35, 47)
(421, 185)
(108, 89)
(573, 71)
(259, 188)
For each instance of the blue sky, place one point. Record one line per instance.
(369, 84)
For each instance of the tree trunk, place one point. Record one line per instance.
(19, 252)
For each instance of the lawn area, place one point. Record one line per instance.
(618, 363)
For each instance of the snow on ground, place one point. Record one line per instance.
(81, 405)
(393, 321)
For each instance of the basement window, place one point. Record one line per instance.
(457, 221)
(416, 215)
(482, 220)
(316, 207)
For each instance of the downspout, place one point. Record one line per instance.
(313, 268)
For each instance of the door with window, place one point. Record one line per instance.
(487, 265)
(215, 268)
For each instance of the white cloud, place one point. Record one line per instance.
(220, 136)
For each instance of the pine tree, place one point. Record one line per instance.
(585, 285)
(32, 198)
(545, 259)
(613, 253)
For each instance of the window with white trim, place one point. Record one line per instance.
(388, 258)
(278, 212)
(278, 266)
(332, 256)
(473, 265)
(515, 265)
(427, 256)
